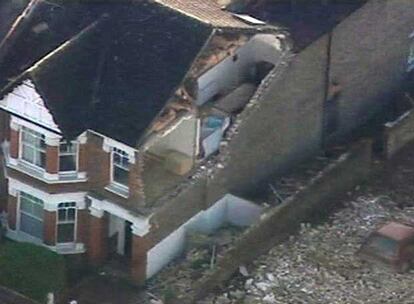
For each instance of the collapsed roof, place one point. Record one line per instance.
(120, 62)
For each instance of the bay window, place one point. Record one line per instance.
(31, 215)
(33, 147)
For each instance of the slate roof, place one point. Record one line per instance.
(28, 46)
(119, 71)
(117, 74)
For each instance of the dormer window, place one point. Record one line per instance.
(33, 147)
(120, 167)
(68, 156)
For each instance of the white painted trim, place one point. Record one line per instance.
(22, 122)
(83, 138)
(109, 143)
(70, 248)
(96, 212)
(21, 166)
(50, 201)
(14, 126)
(52, 141)
(51, 176)
(140, 225)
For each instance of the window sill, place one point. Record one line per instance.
(40, 174)
(70, 248)
(19, 236)
(118, 190)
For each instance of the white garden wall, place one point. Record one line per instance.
(228, 210)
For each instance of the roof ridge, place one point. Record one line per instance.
(67, 44)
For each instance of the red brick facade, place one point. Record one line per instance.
(82, 226)
(52, 159)
(12, 212)
(49, 228)
(140, 247)
(14, 143)
(82, 158)
(97, 249)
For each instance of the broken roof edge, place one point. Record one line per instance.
(17, 27)
(147, 133)
(67, 44)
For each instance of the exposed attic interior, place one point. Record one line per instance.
(220, 84)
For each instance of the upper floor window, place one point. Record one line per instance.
(120, 167)
(68, 156)
(410, 61)
(33, 147)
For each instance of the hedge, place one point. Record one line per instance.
(31, 270)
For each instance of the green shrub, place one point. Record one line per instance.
(31, 270)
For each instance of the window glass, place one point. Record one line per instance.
(33, 147)
(120, 172)
(66, 222)
(68, 156)
(410, 61)
(31, 215)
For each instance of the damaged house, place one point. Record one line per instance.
(107, 108)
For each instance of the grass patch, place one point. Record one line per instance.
(31, 270)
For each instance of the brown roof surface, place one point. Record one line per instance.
(397, 231)
(207, 11)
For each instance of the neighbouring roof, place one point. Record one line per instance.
(207, 11)
(116, 73)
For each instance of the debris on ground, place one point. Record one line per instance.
(320, 264)
(199, 257)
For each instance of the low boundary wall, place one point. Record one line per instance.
(279, 223)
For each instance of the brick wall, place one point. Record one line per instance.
(82, 232)
(14, 143)
(12, 211)
(283, 129)
(284, 220)
(49, 227)
(98, 163)
(52, 159)
(97, 247)
(140, 247)
(369, 58)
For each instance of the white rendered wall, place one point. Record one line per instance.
(181, 138)
(26, 102)
(230, 73)
(228, 210)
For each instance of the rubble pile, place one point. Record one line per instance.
(320, 265)
(201, 254)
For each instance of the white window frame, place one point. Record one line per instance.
(122, 154)
(20, 193)
(67, 221)
(410, 59)
(25, 129)
(76, 153)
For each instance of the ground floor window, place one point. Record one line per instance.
(66, 222)
(31, 215)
